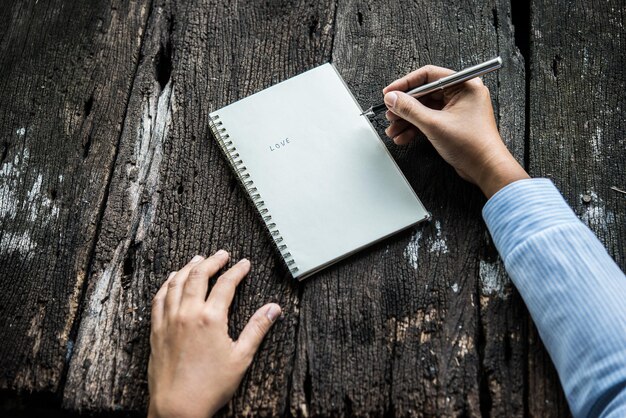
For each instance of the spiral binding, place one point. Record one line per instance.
(229, 149)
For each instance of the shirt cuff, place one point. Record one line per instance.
(523, 208)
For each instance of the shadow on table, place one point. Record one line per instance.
(48, 405)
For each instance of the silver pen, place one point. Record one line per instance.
(451, 80)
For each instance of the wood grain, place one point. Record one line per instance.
(577, 123)
(172, 195)
(65, 78)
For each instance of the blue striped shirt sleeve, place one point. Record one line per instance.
(575, 292)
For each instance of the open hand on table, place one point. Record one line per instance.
(195, 367)
(460, 124)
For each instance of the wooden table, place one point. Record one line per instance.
(109, 179)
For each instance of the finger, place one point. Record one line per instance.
(412, 110)
(474, 83)
(197, 283)
(405, 137)
(175, 286)
(256, 329)
(397, 127)
(391, 117)
(433, 100)
(223, 292)
(158, 302)
(423, 75)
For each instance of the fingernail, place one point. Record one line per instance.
(172, 274)
(244, 261)
(273, 312)
(196, 259)
(221, 253)
(390, 99)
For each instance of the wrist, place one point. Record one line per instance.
(499, 172)
(152, 412)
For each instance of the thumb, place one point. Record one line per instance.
(256, 328)
(411, 110)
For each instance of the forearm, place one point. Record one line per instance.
(573, 289)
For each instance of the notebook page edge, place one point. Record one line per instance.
(272, 86)
(306, 274)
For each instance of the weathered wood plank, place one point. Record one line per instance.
(65, 78)
(377, 335)
(578, 111)
(503, 317)
(577, 125)
(173, 196)
(400, 328)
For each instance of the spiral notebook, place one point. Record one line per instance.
(319, 175)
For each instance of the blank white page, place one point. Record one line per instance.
(324, 174)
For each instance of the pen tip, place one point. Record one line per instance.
(368, 113)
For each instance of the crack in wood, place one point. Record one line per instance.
(163, 63)
(521, 18)
(5, 151)
(88, 106)
(103, 205)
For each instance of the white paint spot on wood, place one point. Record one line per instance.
(21, 132)
(412, 249)
(7, 168)
(35, 189)
(596, 141)
(39, 204)
(13, 175)
(455, 288)
(9, 175)
(493, 279)
(439, 244)
(465, 344)
(8, 202)
(17, 242)
(596, 216)
(402, 325)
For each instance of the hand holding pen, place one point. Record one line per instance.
(458, 122)
(450, 80)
